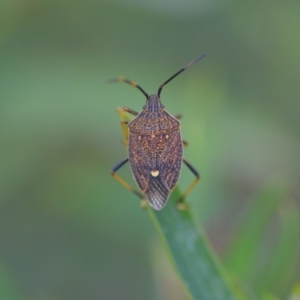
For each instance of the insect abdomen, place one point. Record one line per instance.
(155, 161)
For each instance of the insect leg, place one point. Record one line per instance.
(185, 143)
(191, 186)
(122, 181)
(131, 111)
(125, 132)
(122, 111)
(124, 121)
(178, 117)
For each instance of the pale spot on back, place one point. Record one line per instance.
(154, 173)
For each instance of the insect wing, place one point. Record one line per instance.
(171, 159)
(168, 169)
(156, 163)
(157, 192)
(139, 161)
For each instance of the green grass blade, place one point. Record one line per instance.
(186, 244)
(241, 256)
(283, 268)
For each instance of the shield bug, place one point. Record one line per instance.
(155, 148)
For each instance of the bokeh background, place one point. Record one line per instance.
(68, 230)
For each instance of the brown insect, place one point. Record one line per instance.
(155, 148)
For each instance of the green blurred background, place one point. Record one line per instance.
(68, 230)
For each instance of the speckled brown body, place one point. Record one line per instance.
(155, 151)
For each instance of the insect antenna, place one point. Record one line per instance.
(132, 83)
(180, 71)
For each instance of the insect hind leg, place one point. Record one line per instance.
(125, 183)
(180, 202)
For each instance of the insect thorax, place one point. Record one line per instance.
(153, 119)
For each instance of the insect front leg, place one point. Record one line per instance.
(131, 111)
(124, 121)
(122, 111)
(125, 183)
(180, 204)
